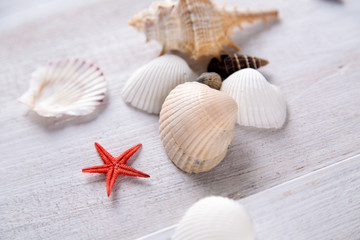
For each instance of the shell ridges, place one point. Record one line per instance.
(70, 87)
(182, 25)
(260, 103)
(148, 87)
(214, 218)
(196, 126)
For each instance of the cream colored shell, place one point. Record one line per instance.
(197, 126)
(197, 27)
(72, 87)
(148, 87)
(215, 218)
(260, 103)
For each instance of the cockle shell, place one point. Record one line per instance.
(234, 62)
(260, 103)
(197, 27)
(197, 126)
(215, 218)
(72, 87)
(148, 87)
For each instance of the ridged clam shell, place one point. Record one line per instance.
(148, 87)
(234, 62)
(215, 218)
(260, 103)
(197, 27)
(197, 126)
(72, 87)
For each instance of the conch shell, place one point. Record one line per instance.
(197, 27)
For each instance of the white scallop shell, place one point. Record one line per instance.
(215, 218)
(260, 103)
(148, 87)
(71, 87)
(197, 126)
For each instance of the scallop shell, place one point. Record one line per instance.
(197, 126)
(182, 25)
(215, 218)
(260, 103)
(234, 62)
(148, 87)
(71, 87)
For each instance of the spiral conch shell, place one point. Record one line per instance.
(197, 126)
(214, 218)
(197, 27)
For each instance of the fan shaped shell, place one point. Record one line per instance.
(197, 126)
(72, 87)
(260, 103)
(148, 87)
(215, 218)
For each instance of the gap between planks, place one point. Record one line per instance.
(166, 233)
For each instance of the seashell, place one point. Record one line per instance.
(71, 87)
(197, 126)
(234, 62)
(214, 218)
(182, 25)
(148, 87)
(211, 79)
(260, 103)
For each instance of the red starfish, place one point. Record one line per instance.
(115, 166)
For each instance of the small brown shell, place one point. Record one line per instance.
(211, 79)
(234, 62)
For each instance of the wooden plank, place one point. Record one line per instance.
(314, 59)
(324, 204)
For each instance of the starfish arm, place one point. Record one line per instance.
(106, 157)
(127, 154)
(96, 169)
(110, 180)
(130, 171)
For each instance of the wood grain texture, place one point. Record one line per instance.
(324, 204)
(314, 58)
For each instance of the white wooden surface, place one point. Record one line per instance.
(305, 207)
(314, 58)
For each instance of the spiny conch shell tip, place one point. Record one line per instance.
(163, 22)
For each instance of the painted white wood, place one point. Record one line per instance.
(314, 58)
(324, 204)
